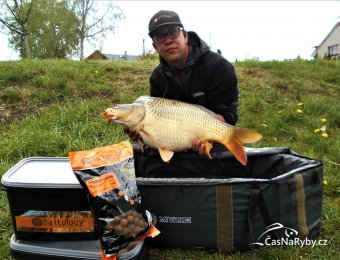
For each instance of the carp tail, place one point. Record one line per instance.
(236, 148)
(240, 136)
(246, 136)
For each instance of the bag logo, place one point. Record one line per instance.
(279, 235)
(174, 220)
(54, 221)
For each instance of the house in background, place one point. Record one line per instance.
(330, 46)
(98, 55)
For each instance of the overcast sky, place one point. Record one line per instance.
(267, 30)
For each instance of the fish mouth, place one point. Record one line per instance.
(109, 115)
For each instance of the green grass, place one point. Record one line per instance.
(50, 107)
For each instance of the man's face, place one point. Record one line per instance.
(170, 42)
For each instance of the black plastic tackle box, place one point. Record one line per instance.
(47, 202)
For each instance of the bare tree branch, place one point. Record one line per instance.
(92, 25)
(18, 24)
(10, 26)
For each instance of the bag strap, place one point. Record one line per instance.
(300, 206)
(256, 200)
(253, 201)
(224, 203)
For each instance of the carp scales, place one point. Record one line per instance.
(171, 126)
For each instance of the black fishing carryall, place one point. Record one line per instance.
(220, 204)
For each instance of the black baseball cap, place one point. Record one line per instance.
(162, 18)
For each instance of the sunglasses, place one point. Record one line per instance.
(173, 33)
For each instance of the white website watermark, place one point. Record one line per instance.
(279, 235)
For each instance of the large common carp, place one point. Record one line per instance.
(171, 126)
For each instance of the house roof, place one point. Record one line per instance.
(120, 56)
(317, 48)
(115, 56)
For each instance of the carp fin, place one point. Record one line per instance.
(207, 148)
(239, 137)
(236, 148)
(213, 114)
(246, 136)
(165, 154)
(142, 129)
(140, 145)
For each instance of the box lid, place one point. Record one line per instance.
(41, 172)
(88, 249)
(85, 249)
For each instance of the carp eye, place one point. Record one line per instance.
(120, 106)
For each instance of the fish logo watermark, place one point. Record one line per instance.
(279, 235)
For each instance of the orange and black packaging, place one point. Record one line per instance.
(108, 175)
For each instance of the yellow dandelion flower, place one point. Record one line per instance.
(324, 135)
(299, 111)
(323, 120)
(325, 182)
(317, 130)
(300, 104)
(97, 71)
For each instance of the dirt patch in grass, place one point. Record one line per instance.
(10, 111)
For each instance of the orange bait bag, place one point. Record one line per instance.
(108, 175)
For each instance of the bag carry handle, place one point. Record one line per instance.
(256, 199)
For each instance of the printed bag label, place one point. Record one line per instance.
(102, 184)
(55, 221)
(100, 156)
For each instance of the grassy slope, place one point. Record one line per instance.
(50, 107)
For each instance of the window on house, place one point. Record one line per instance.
(333, 50)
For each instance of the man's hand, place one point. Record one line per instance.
(198, 146)
(219, 117)
(134, 135)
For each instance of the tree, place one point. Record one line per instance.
(93, 26)
(54, 30)
(16, 17)
(42, 29)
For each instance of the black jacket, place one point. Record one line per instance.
(207, 79)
